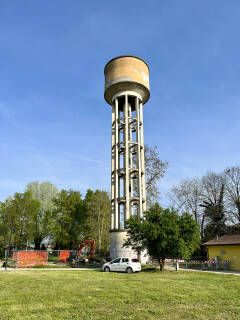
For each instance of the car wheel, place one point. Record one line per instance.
(129, 270)
(106, 269)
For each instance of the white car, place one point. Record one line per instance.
(122, 265)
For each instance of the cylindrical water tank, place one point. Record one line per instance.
(126, 73)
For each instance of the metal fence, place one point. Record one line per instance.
(197, 264)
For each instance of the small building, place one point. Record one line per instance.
(225, 248)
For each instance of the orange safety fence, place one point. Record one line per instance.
(31, 258)
(64, 254)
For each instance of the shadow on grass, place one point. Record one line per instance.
(84, 266)
(151, 269)
(40, 266)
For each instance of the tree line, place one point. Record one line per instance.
(202, 208)
(42, 214)
(213, 201)
(65, 218)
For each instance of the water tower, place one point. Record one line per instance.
(126, 91)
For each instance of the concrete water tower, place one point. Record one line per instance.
(126, 91)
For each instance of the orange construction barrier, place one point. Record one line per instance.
(64, 254)
(27, 259)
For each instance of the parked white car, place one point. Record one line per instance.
(122, 265)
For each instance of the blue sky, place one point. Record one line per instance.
(54, 122)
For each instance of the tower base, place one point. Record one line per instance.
(117, 239)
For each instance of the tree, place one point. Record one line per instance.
(17, 216)
(43, 192)
(3, 232)
(187, 197)
(213, 202)
(155, 169)
(98, 218)
(232, 187)
(163, 233)
(211, 186)
(69, 214)
(215, 216)
(205, 200)
(189, 233)
(18, 219)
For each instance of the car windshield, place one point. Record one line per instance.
(116, 260)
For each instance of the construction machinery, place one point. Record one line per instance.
(85, 243)
(78, 257)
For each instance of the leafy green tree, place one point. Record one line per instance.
(98, 218)
(69, 215)
(163, 233)
(43, 223)
(188, 235)
(25, 208)
(17, 220)
(3, 232)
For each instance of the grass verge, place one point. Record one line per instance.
(97, 295)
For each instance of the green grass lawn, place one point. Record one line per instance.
(71, 294)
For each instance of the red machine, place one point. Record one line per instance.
(91, 243)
